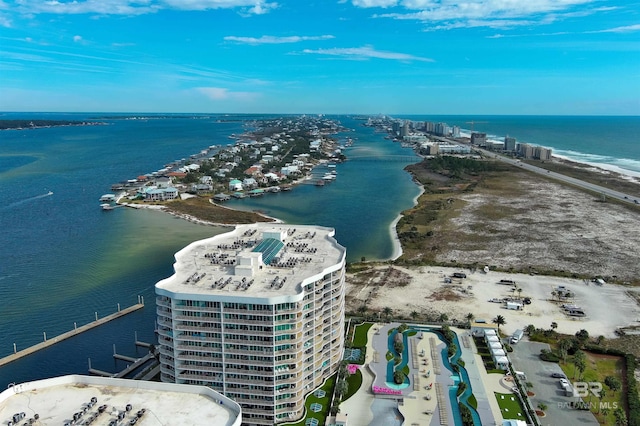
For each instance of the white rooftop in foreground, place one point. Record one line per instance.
(57, 400)
(261, 260)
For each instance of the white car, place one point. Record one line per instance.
(564, 382)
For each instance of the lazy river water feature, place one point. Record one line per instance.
(456, 377)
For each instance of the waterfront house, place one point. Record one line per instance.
(235, 185)
(154, 193)
(163, 182)
(249, 183)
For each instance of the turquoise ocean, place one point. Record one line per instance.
(62, 259)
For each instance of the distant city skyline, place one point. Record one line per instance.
(484, 57)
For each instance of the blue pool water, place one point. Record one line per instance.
(391, 367)
(456, 378)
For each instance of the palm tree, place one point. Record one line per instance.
(520, 292)
(605, 412)
(563, 348)
(603, 393)
(469, 318)
(341, 388)
(542, 406)
(579, 362)
(362, 310)
(621, 417)
(387, 311)
(554, 294)
(413, 315)
(499, 320)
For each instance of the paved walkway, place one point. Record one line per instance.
(358, 407)
(483, 384)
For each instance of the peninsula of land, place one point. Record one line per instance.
(474, 210)
(39, 124)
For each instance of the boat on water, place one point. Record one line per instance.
(108, 198)
(320, 182)
(107, 206)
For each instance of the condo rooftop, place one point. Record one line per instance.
(84, 400)
(259, 260)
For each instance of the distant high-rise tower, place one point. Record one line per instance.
(509, 143)
(478, 138)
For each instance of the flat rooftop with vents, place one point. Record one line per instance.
(88, 400)
(262, 260)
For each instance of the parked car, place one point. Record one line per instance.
(558, 375)
(564, 382)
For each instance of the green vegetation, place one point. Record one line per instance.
(30, 124)
(360, 335)
(473, 401)
(324, 401)
(605, 369)
(442, 178)
(510, 406)
(201, 208)
(398, 377)
(465, 414)
(354, 381)
(462, 386)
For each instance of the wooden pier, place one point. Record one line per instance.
(52, 341)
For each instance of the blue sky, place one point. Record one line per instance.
(569, 57)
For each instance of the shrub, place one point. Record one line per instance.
(547, 355)
(398, 377)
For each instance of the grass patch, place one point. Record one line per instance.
(510, 406)
(201, 208)
(324, 401)
(360, 335)
(354, 381)
(473, 401)
(599, 367)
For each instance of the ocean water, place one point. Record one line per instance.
(609, 142)
(62, 259)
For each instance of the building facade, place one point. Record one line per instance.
(256, 314)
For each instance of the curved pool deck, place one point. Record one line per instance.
(362, 406)
(416, 406)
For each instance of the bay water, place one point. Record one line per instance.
(63, 259)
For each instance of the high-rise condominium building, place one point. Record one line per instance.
(256, 314)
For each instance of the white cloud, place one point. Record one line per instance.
(627, 29)
(220, 93)
(375, 3)
(5, 21)
(77, 39)
(449, 14)
(276, 40)
(366, 52)
(140, 7)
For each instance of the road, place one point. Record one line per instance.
(620, 196)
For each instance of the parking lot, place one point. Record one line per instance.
(525, 357)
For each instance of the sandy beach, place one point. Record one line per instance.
(423, 290)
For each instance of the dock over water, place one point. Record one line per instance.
(52, 341)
